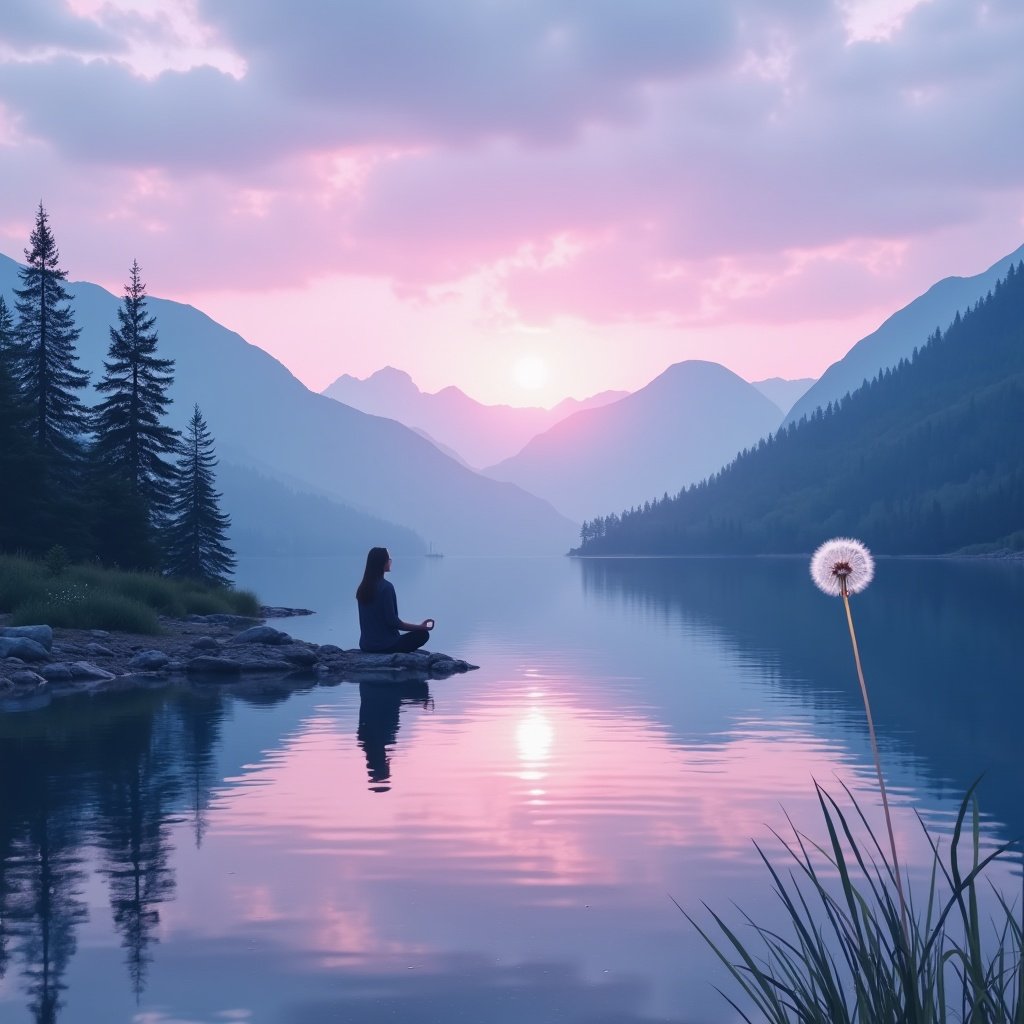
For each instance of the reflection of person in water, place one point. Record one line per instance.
(381, 631)
(379, 705)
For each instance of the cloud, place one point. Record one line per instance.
(662, 160)
(31, 26)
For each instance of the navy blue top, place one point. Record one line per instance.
(378, 619)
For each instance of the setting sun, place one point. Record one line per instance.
(530, 372)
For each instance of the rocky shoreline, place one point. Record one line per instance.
(38, 664)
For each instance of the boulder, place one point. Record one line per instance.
(24, 648)
(261, 635)
(330, 650)
(149, 661)
(43, 635)
(206, 665)
(99, 651)
(58, 672)
(27, 678)
(299, 656)
(88, 671)
(204, 643)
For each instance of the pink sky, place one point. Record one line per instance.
(569, 196)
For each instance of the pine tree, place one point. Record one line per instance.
(46, 334)
(132, 474)
(20, 463)
(131, 440)
(6, 331)
(198, 529)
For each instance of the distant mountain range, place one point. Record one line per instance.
(684, 425)
(924, 459)
(480, 434)
(900, 335)
(784, 393)
(264, 419)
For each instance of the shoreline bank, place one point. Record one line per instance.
(40, 663)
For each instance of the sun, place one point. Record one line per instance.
(530, 372)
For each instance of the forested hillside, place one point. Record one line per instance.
(925, 459)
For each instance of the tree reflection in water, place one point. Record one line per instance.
(107, 772)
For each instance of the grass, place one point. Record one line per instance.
(846, 957)
(91, 597)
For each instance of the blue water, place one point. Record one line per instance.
(503, 846)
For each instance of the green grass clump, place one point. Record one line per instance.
(76, 606)
(92, 597)
(20, 580)
(846, 958)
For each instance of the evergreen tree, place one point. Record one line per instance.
(198, 529)
(6, 331)
(46, 333)
(132, 474)
(131, 439)
(20, 462)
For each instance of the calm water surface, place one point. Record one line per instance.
(499, 847)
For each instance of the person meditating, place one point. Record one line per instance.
(381, 631)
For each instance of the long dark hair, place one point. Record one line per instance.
(376, 559)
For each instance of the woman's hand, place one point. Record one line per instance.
(427, 624)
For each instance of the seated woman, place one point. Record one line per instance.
(379, 624)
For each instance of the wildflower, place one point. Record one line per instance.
(842, 565)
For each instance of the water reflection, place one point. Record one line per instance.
(936, 640)
(337, 854)
(379, 707)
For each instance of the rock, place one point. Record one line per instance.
(299, 656)
(99, 651)
(27, 678)
(222, 619)
(149, 661)
(261, 635)
(266, 665)
(56, 673)
(205, 665)
(204, 643)
(270, 612)
(100, 634)
(330, 650)
(87, 670)
(43, 635)
(24, 648)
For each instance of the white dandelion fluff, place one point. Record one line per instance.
(842, 563)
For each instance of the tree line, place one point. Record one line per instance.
(112, 482)
(922, 459)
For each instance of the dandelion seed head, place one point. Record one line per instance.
(842, 559)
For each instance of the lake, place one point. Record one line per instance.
(504, 846)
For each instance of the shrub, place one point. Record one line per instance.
(56, 560)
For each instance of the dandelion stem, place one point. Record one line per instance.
(878, 767)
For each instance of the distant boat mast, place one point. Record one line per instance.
(431, 553)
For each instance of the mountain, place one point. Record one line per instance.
(900, 335)
(264, 419)
(685, 424)
(784, 393)
(480, 434)
(271, 518)
(925, 459)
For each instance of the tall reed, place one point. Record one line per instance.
(847, 958)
